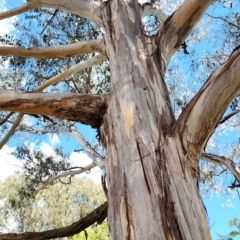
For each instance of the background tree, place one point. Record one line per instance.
(55, 207)
(152, 155)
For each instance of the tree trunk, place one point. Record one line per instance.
(153, 191)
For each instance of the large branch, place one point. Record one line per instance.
(203, 113)
(85, 108)
(98, 215)
(63, 51)
(77, 68)
(84, 8)
(178, 26)
(220, 160)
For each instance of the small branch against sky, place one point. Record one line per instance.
(76, 68)
(221, 160)
(91, 153)
(64, 174)
(11, 130)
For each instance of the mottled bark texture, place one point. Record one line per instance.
(153, 191)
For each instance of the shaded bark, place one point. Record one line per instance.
(87, 109)
(98, 215)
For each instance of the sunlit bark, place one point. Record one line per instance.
(203, 113)
(177, 27)
(64, 51)
(87, 9)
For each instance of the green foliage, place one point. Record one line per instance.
(233, 223)
(99, 232)
(57, 206)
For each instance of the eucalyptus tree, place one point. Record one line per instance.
(55, 207)
(152, 156)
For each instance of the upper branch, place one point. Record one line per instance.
(98, 215)
(55, 51)
(84, 8)
(203, 113)
(178, 26)
(87, 109)
(232, 167)
(13, 12)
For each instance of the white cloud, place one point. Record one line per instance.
(8, 163)
(82, 160)
(47, 149)
(54, 140)
(6, 25)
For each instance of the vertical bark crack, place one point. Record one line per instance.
(126, 206)
(143, 168)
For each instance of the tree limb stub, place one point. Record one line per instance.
(203, 113)
(178, 26)
(232, 167)
(85, 108)
(98, 215)
(64, 51)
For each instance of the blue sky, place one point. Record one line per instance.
(218, 213)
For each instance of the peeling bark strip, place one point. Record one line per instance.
(98, 215)
(85, 108)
